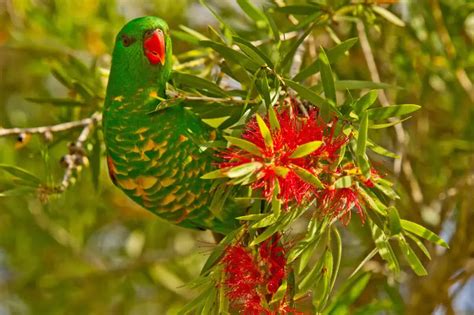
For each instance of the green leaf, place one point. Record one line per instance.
(199, 83)
(273, 26)
(252, 51)
(244, 145)
(17, 192)
(380, 113)
(298, 9)
(232, 55)
(327, 77)
(255, 14)
(336, 245)
(276, 203)
(364, 261)
(333, 54)
(197, 301)
(389, 16)
(286, 62)
(307, 176)
(381, 150)
(372, 201)
(411, 257)
(321, 288)
(266, 134)
(419, 244)
(243, 169)
(280, 293)
(385, 249)
(365, 101)
(266, 221)
(312, 276)
(423, 232)
(394, 221)
(362, 159)
(359, 85)
(21, 174)
(389, 124)
(343, 182)
(272, 118)
(351, 290)
(252, 217)
(311, 96)
(218, 251)
(281, 171)
(198, 36)
(214, 174)
(305, 149)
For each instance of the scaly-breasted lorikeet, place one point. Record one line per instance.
(152, 157)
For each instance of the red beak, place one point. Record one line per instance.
(154, 47)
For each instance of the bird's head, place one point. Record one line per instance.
(143, 51)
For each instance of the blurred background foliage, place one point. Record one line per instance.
(92, 251)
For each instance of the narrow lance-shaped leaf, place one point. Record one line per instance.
(380, 113)
(252, 51)
(359, 85)
(253, 13)
(245, 145)
(243, 169)
(311, 96)
(411, 257)
(394, 221)
(266, 134)
(361, 146)
(327, 77)
(333, 54)
(389, 16)
(385, 249)
(307, 176)
(20, 173)
(423, 232)
(272, 118)
(365, 101)
(305, 149)
(321, 288)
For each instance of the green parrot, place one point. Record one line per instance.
(154, 156)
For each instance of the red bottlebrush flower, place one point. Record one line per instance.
(250, 280)
(242, 278)
(338, 202)
(277, 161)
(273, 254)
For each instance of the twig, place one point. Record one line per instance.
(232, 100)
(76, 156)
(51, 129)
(400, 164)
(450, 49)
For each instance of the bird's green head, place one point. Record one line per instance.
(142, 54)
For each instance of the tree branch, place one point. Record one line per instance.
(400, 164)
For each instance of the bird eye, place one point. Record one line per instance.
(127, 41)
(149, 33)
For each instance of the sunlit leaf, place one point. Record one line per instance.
(307, 176)
(411, 257)
(266, 134)
(21, 174)
(389, 16)
(244, 145)
(380, 113)
(305, 149)
(423, 232)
